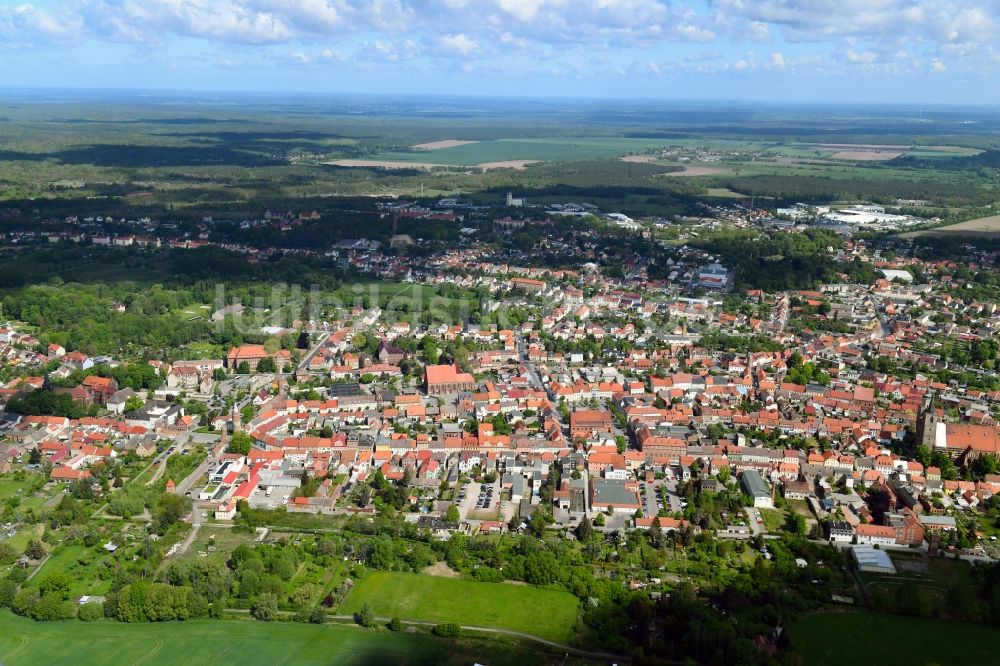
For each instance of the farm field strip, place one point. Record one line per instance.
(983, 226)
(27, 642)
(546, 613)
(889, 639)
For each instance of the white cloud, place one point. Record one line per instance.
(26, 24)
(215, 20)
(895, 36)
(510, 40)
(758, 31)
(860, 57)
(461, 44)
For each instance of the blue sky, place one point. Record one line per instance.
(907, 51)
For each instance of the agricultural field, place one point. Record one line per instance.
(521, 150)
(547, 613)
(984, 226)
(27, 642)
(828, 639)
(943, 151)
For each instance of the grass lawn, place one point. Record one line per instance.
(23, 641)
(10, 487)
(546, 613)
(873, 638)
(773, 519)
(82, 564)
(223, 540)
(13, 487)
(20, 540)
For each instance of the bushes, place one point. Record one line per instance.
(486, 574)
(265, 608)
(56, 582)
(448, 630)
(8, 589)
(51, 606)
(366, 616)
(152, 602)
(91, 612)
(24, 601)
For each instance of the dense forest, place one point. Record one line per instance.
(782, 262)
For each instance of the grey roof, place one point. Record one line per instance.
(754, 484)
(612, 491)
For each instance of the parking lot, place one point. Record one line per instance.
(652, 495)
(480, 501)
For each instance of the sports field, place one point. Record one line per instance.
(196, 642)
(829, 639)
(547, 613)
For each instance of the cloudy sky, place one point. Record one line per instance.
(910, 51)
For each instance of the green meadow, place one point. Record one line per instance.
(549, 614)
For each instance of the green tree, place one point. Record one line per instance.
(57, 583)
(448, 630)
(134, 404)
(91, 612)
(35, 550)
(51, 607)
(452, 515)
(8, 589)
(366, 616)
(265, 608)
(170, 509)
(985, 464)
(585, 530)
(240, 443)
(795, 523)
(395, 624)
(24, 601)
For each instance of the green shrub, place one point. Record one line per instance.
(448, 630)
(91, 612)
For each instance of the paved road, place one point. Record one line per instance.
(186, 484)
(883, 323)
(753, 515)
(315, 350)
(159, 470)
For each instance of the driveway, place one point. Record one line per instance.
(755, 520)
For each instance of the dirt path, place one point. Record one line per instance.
(440, 569)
